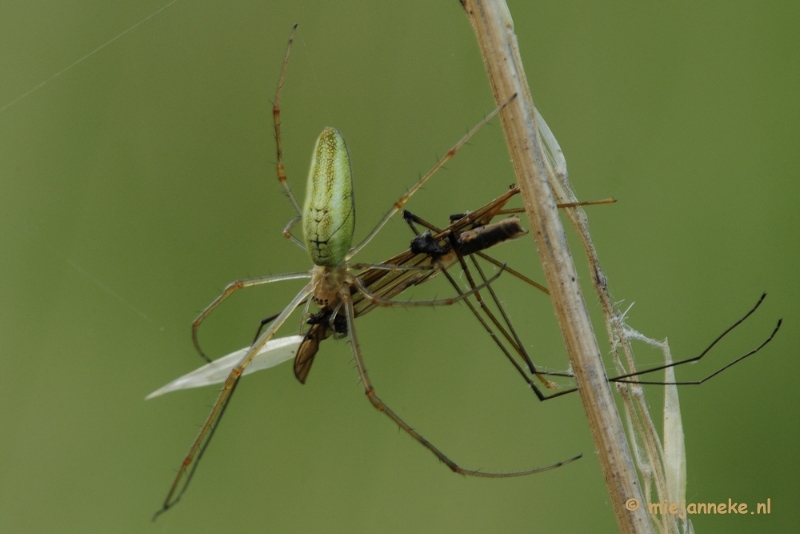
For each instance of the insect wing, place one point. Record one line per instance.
(274, 352)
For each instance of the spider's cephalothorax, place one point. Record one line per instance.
(328, 282)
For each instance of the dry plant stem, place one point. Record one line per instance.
(493, 27)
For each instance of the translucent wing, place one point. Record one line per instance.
(274, 352)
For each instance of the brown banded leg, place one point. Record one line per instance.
(381, 406)
(228, 291)
(276, 117)
(200, 444)
(398, 205)
(287, 231)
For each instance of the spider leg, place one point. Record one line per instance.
(381, 406)
(200, 444)
(229, 290)
(276, 116)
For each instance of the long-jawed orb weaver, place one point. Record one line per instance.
(328, 222)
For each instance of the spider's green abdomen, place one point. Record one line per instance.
(329, 213)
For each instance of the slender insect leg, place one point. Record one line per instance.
(623, 378)
(516, 343)
(200, 443)
(369, 390)
(403, 199)
(517, 346)
(509, 333)
(262, 324)
(229, 290)
(494, 337)
(632, 377)
(276, 116)
(514, 273)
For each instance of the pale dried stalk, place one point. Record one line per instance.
(493, 27)
(664, 466)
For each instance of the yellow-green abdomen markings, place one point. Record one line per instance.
(329, 213)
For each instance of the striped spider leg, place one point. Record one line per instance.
(328, 222)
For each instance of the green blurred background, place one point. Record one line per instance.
(138, 183)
